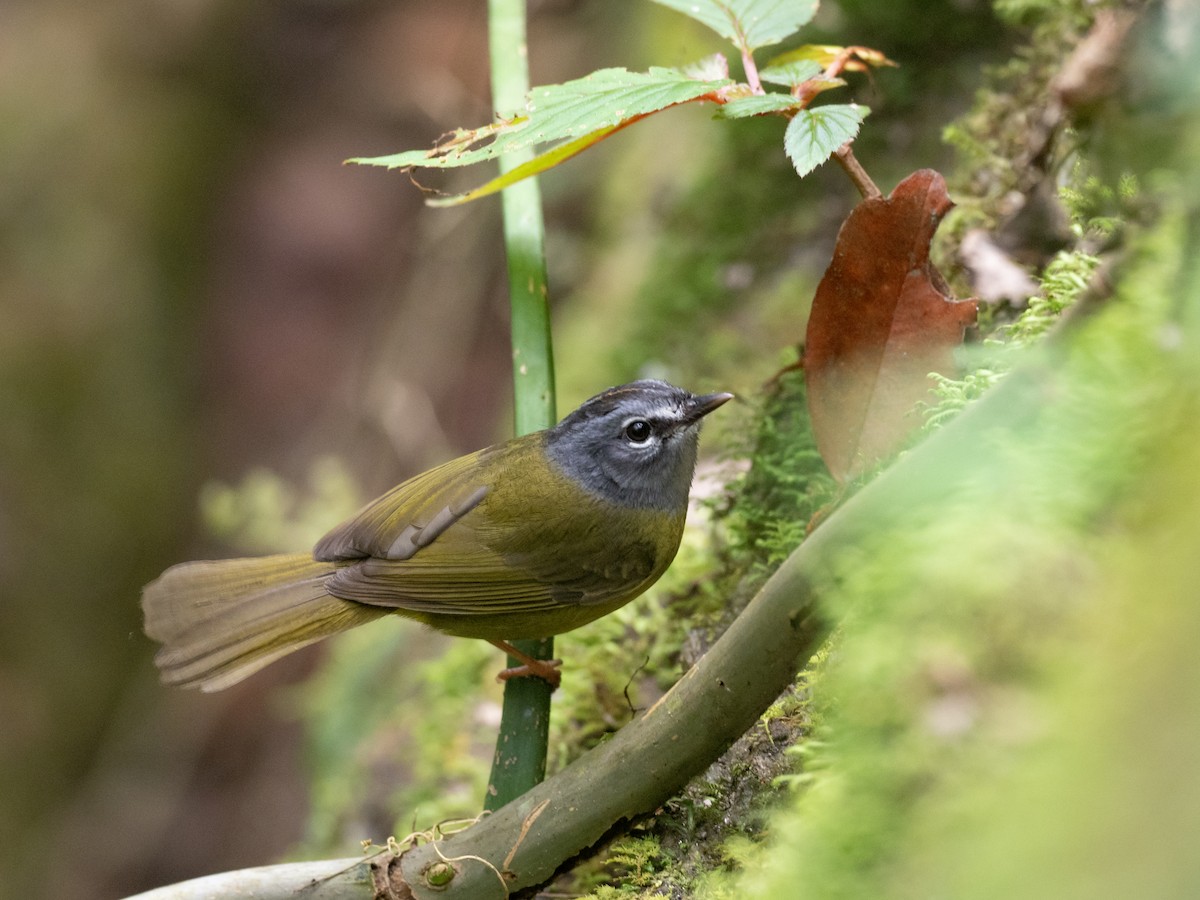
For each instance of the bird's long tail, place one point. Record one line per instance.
(221, 621)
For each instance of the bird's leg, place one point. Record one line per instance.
(545, 669)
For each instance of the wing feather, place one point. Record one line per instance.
(413, 515)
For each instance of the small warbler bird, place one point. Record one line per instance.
(525, 539)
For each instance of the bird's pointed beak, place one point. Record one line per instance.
(701, 406)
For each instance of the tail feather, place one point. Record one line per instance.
(221, 621)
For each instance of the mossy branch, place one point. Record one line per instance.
(856, 173)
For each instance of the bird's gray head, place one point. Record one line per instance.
(634, 445)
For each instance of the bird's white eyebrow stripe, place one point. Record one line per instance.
(668, 413)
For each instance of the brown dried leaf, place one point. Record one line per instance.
(881, 322)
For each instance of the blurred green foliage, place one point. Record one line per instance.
(400, 721)
(266, 513)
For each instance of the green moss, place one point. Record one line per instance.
(702, 830)
(636, 864)
(787, 484)
(266, 513)
(1101, 210)
(1065, 280)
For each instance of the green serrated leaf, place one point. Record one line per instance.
(561, 112)
(748, 23)
(605, 98)
(813, 134)
(792, 73)
(756, 105)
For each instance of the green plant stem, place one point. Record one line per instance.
(853, 168)
(519, 762)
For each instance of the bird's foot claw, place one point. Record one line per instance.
(546, 669)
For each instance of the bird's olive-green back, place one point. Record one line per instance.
(500, 544)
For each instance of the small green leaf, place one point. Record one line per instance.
(819, 85)
(748, 23)
(605, 98)
(792, 73)
(813, 134)
(855, 59)
(756, 105)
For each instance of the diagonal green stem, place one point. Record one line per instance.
(520, 759)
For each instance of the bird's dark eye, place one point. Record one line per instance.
(638, 431)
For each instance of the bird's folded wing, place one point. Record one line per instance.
(453, 575)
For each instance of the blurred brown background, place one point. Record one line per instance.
(192, 285)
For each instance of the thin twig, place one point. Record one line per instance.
(751, 69)
(851, 166)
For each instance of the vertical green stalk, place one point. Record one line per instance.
(520, 759)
